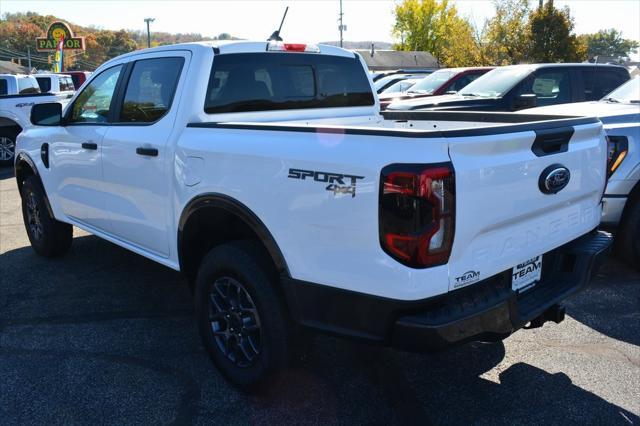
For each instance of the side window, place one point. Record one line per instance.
(4, 89)
(44, 83)
(550, 87)
(462, 82)
(150, 89)
(28, 86)
(92, 105)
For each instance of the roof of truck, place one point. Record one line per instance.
(236, 46)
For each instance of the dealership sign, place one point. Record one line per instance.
(59, 31)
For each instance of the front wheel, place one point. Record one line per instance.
(48, 237)
(241, 317)
(628, 234)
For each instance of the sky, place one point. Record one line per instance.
(307, 20)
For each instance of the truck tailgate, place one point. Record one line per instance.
(506, 209)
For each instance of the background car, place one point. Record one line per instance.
(56, 83)
(619, 111)
(438, 83)
(517, 87)
(78, 77)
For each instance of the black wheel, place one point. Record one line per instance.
(7, 146)
(48, 237)
(628, 233)
(241, 317)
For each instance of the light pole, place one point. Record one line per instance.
(148, 21)
(341, 27)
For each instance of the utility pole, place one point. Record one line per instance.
(29, 56)
(148, 21)
(341, 27)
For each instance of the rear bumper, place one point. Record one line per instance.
(488, 311)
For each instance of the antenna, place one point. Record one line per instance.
(276, 34)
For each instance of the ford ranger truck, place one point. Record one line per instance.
(265, 173)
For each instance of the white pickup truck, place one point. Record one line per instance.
(266, 174)
(18, 93)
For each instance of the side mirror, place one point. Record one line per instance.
(49, 114)
(528, 100)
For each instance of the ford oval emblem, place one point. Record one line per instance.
(554, 179)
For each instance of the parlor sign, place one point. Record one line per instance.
(59, 31)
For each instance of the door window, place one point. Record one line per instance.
(28, 86)
(550, 87)
(462, 82)
(44, 83)
(92, 105)
(3, 87)
(600, 81)
(150, 90)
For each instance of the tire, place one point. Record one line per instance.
(628, 233)
(250, 342)
(7, 146)
(48, 237)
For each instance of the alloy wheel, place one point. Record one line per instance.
(33, 217)
(235, 322)
(7, 148)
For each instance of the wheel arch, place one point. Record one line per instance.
(222, 218)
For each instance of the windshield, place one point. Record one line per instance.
(628, 93)
(432, 82)
(496, 83)
(380, 83)
(400, 86)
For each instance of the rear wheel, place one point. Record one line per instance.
(241, 317)
(7, 146)
(48, 237)
(628, 234)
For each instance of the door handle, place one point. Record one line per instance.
(89, 145)
(149, 152)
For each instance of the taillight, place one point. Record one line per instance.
(417, 213)
(618, 147)
(278, 46)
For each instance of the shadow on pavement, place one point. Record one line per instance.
(611, 303)
(103, 335)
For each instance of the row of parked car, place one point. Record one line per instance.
(600, 90)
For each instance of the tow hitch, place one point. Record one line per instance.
(555, 313)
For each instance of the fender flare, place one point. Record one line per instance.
(235, 207)
(23, 157)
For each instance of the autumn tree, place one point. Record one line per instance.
(609, 43)
(551, 36)
(434, 26)
(506, 35)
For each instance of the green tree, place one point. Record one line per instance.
(506, 35)
(609, 43)
(551, 36)
(434, 26)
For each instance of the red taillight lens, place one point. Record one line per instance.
(417, 207)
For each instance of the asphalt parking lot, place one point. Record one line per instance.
(106, 336)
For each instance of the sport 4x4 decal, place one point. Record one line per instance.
(336, 181)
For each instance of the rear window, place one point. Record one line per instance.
(66, 84)
(242, 82)
(4, 90)
(44, 83)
